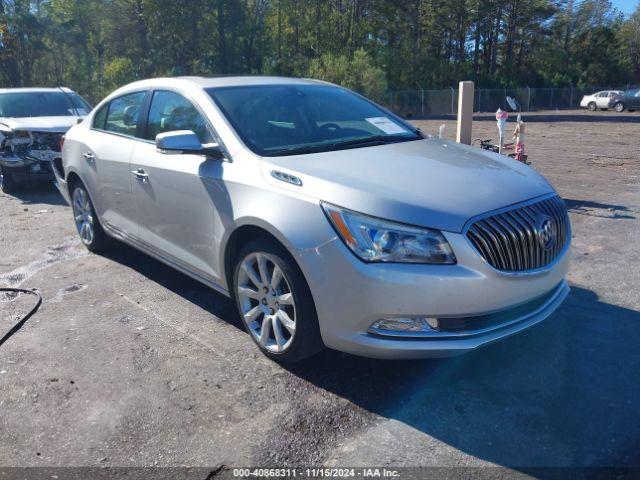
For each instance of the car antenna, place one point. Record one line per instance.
(69, 99)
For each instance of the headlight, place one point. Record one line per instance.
(376, 240)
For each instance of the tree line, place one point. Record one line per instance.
(94, 46)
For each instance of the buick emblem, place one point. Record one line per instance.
(546, 232)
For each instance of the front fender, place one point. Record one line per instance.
(295, 220)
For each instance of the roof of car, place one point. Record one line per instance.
(222, 81)
(232, 81)
(34, 90)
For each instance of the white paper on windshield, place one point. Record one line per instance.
(386, 125)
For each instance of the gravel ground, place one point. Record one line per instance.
(129, 363)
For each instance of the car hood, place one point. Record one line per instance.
(431, 182)
(40, 124)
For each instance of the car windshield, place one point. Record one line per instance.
(276, 120)
(42, 104)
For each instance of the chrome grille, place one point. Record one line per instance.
(511, 241)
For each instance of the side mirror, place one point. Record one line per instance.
(186, 142)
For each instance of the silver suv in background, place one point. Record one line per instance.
(32, 122)
(328, 219)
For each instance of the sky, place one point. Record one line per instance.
(626, 6)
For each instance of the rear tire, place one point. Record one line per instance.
(268, 286)
(619, 107)
(592, 106)
(87, 223)
(7, 182)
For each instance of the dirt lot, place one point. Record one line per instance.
(131, 363)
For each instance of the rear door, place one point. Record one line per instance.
(174, 193)
(108, 154)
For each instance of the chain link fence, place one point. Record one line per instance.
(425, 103)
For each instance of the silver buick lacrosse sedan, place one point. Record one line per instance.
(329, 220)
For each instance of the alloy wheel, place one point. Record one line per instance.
(83, 215)
(266, 302)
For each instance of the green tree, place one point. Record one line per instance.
(356, 72)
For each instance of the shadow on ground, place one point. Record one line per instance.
(169, 278)
(565, 393)
(37, 193)
(596, 209)
(562, 393)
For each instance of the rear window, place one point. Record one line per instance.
(42, 104)
(100, 117)
(124, 113)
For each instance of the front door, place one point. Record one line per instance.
(174, 193)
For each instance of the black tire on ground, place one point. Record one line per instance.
(7, 182)
(307, 340)
(101, 241)
(619, 107)
(592, 106)
(630, 110)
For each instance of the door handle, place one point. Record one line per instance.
(89, 157)
(140, 174)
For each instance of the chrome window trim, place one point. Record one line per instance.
(108, 105)
(150, 91)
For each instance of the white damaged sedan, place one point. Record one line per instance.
(32, 123)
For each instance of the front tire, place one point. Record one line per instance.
(87, 224)
(275, 303)
(8, 184)
(592, 106)
(619, 107)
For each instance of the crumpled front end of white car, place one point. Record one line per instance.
(28, 153)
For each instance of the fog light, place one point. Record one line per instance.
(404, 324)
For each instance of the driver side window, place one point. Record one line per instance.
(170, 112)
(124, 113)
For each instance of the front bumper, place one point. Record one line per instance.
(61, 183)
(351, 295)
(25, 169)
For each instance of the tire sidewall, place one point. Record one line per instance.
(619, 107)
(592, 106)
(100, 239)
(306, 341)
(8, 184)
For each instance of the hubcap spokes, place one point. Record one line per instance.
(266, 302)
(83, 215)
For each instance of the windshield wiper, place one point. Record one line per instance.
(326, 147)
(372, 140)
